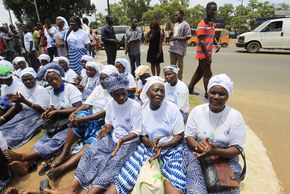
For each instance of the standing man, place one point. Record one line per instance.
(49, 31)
(178, 42)
(205, 36)
(30, 48)
(109, 40)
(133, 38)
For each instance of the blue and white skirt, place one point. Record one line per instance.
(21, 127)
(195, 183)
(171, 169)
(74, 57)
(97, 168)
(48, 146)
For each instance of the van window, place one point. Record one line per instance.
(273, 27)
(120, 29)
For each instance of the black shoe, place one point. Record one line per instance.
(192, 92)
(46, 167)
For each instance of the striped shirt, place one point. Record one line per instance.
(207, 30)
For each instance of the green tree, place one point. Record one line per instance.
(195, 15)
(226, 13)
(24, 10)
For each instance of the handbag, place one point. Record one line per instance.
(150, 180)
(56, 124)
(218, 174)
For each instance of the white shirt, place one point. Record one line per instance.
(162, 123)
(38, 95)
(78, 39)
(176, 29)
(83, 73)
(52, 30)
(98, 99)
(65, 99)
(178, 94)
(70, 75)
(125, 118)
(140, 85)
(27, 39)
(132, 83)
(12, 89)
(224, 129)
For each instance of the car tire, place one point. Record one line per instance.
(253, 47)
(224, 45)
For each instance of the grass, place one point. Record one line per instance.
(194, 101)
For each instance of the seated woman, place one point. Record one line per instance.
(86, 121)
(33, 99)
(102, 161)
(91, 79)
(162, 136)
(213, 129)
(9, 86)
(176, 90)
(44, 59)
(19, 64)
(123, 66)
(69, 74)
(84, 60)
(64, 99)
(142, 72)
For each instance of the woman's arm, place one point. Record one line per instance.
(19, 98)
(122, 140)
(10, 113)
(146, 141)
(173, 142)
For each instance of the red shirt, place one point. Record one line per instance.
(207, 30)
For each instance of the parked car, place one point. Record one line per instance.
(272, 34)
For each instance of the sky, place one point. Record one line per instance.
(101, 5)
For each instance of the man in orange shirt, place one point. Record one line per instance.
(205, 34)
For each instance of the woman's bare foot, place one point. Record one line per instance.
(60, 159)
(58, 192)
(55, 173)
(12, 156)
(11, 190)
(19, 168)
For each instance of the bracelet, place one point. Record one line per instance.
(2, 118)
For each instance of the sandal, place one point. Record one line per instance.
(46, 167)
(44, 184)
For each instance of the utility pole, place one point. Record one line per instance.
(36, 8)
(108, 6)
(10, 18)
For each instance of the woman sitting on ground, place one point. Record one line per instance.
(33, 100)
(214, 129)
(123, 67)
(162, 136)
(142, 72)
(64, 99)
(44, 59)
(86, 121)
(102, 161)
(176, 90)
(84, 60)
(19, 64)
(69, 74)
(91, 80)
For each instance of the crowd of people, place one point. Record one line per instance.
(107, 123)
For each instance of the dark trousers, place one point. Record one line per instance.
(52, 52)
(134, 61)
(203, 70)
(33, 61)
(111, 56)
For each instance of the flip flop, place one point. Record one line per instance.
(46, 167)
(44, 184)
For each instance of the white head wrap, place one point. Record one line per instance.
(221, 80)
(173, 68)
(87, 58)
(16, 60)
(125, 63)
(1, 57)
(150, 81)
(28, 70)
(109, 69)
(63, 59)
(94, 65)
(140, 70)
(55, 60)
(44, 57)
(65, 26)
(6, 64)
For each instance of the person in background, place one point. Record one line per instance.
(205, 36)
(109, 40)
(132, 45)
(155, 53)
(36, 38)
(49, 32)
(78, 44)
(178, 42)
(142, 73)
(69, 74)
(94, 38)
(16, 41)
(44, 59)
(42, 41)
(84, 60)
(8, 42)
(59, 36)
(19, 63)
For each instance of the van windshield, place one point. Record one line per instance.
(260, 27)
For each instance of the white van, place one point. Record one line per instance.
(272, 34)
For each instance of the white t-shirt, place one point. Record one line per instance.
(83, 73)
(224, 129)
(132, 83)
(52, 30)
(140, 85)
(70, 75)
(98, 99)
(38, 95)
(27, 39)
(65, 99)
(78, 39)
(176, 29)
(125, 118)
(178, 94)
(162, 123)
(12, 89)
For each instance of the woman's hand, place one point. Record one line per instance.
(156, 150)
(204, 147)
(158, 55)
(103, 131)
(47, 114)
(119, 144)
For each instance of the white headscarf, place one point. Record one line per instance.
(150, 81)
(221, 80)
(109, 69)
(95, 65)
(65, 26)
(140, 70)
(28, 70)
(55, 60)
(16, 60)
(44, 57)
(63, 59)
(87, 58)
(173, 68)
(125, 63)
